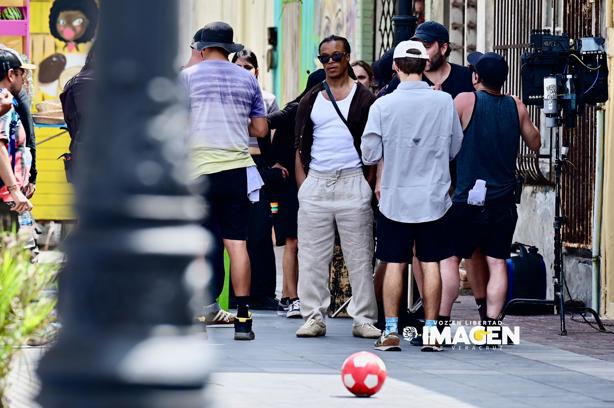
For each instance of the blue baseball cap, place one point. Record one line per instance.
(491, 67)
(431, 31)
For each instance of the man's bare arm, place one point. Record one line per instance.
(6, 101)
(464, 103)
(530, 133)
(258, 127)
(378, 179)
(8, 178)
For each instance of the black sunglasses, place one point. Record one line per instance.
(336, 57)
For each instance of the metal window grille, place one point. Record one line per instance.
(514, 19)
(385, 10)
(579, 176)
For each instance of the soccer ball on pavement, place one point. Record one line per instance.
(363, 373)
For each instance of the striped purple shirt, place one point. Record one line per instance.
(222, 98)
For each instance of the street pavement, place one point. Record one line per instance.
(280, 370)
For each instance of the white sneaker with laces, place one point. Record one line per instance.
(294, 310)
(312, 328)
(366, 331)
(220, 318)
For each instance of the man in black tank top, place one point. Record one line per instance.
(485, 220)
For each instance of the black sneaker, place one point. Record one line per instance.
(243, 328)
(283, 306)
(416, 341)
(264, 303)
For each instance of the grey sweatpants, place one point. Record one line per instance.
(343, 197)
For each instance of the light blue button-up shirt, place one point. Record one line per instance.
(417, 131)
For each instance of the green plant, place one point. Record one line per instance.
(23, 307)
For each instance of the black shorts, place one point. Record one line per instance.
(228, 206)
(395, 240)
(285, 222)
(491, 229)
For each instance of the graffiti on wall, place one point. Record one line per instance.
(73, 24)
(337, 17)
(333, 17)
(303, 28)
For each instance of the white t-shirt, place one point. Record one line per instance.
(333, 144)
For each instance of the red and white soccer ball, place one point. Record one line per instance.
(363, 373)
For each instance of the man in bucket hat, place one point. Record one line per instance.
(226, 107)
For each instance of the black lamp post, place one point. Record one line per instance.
(131, 280)
(404, 22)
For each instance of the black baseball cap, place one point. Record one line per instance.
(491, 67)
(431, 31)
(10, 59)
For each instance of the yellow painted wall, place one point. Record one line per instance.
(53, 198)
(607, 237)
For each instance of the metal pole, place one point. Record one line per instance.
(559, 221)
(131, 279)
(597, 208)
(404, 22)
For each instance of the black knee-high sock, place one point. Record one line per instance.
(481, 302)
(242, 306)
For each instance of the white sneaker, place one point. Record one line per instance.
(366, 331)
(312, 328)
(294, 310)
(220, 318)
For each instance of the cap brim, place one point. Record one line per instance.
(424, 37)
(28, 66)
(231, 48)
(474, 57)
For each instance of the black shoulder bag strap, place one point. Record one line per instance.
(332, 99)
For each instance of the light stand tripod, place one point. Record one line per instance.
(554, 121)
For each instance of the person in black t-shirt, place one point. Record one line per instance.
(439, 73)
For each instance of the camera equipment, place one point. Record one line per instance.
(576, 73)
(562, 76)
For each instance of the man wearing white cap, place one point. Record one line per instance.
(418, 131)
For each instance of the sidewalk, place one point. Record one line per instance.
(280, 370)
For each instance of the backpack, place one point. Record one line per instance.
(526, 275)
